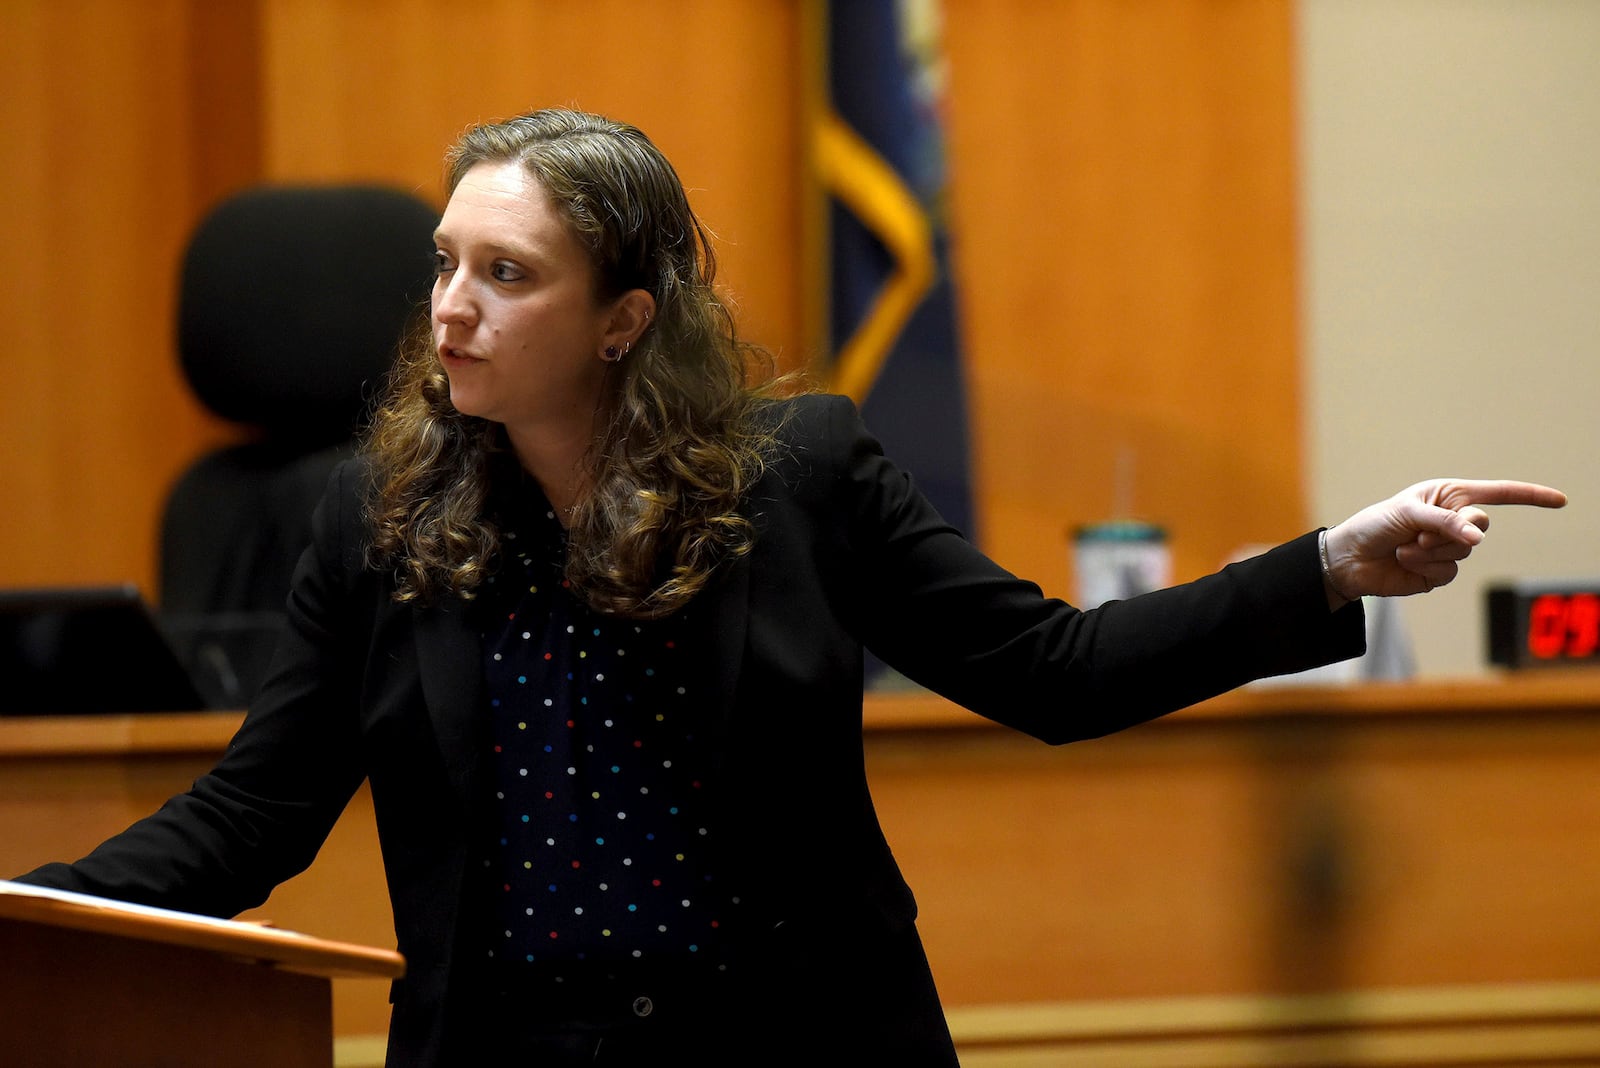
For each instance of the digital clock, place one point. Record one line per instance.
(1543, 624)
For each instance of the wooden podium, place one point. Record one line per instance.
(85, 981)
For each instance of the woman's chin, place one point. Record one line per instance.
(465, 402)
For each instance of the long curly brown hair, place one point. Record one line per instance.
(678, 438)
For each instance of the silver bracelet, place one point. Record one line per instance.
(1327, 571)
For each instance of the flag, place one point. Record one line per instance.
(878, 143)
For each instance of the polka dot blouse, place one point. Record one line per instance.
(604, 850)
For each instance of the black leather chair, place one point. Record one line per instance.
(293, 301)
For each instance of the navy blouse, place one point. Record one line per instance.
(604, 852)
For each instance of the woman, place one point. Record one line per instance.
(589, 615)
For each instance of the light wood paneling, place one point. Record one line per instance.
(1271, 842)
(1490, 1025)
(714, 83)
(125, 122)
(1125, 228)
(95, 420)
(1123, 218)
(1525, 1024)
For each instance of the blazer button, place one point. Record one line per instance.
(643, 1006)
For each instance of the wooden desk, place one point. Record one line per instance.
(1275, 841)
(1270, 841)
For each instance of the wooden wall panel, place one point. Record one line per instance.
(1122, 206)
(1440, 836)
(224, 98)
(1276, 840)
(1124, 218)
(126, 122)
(94, 419)
(711, 82)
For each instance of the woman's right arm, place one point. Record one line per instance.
(261, 814)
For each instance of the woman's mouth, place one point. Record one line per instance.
(452, 357)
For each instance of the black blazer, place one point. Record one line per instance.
(848, 555)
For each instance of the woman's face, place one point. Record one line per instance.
(516, 321)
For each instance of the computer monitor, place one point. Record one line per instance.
(85, 650)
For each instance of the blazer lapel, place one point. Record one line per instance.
(718, 622)
(450, 661)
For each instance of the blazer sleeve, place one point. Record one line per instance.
(936, 609)
(261, 814)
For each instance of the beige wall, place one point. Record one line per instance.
(1450, 205)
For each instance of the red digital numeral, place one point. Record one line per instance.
(1563, 626)
(1547, 626)
(1583, 625)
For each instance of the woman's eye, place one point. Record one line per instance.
(505, 272)
(441, 263)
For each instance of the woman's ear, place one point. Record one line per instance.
(630, 317)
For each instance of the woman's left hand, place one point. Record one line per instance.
(1415, 540)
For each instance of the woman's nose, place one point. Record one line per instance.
(452, 302)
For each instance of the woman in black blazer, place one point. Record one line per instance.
(589, 614)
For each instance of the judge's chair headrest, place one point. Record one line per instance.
(292, 304)
(293, 301)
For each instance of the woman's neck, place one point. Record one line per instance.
(555, 456)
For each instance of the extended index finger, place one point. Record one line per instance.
(1461, 493)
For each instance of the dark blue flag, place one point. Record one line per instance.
(892, 318)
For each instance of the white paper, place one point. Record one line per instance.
(127, 908)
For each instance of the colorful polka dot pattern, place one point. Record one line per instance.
(603, 849)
